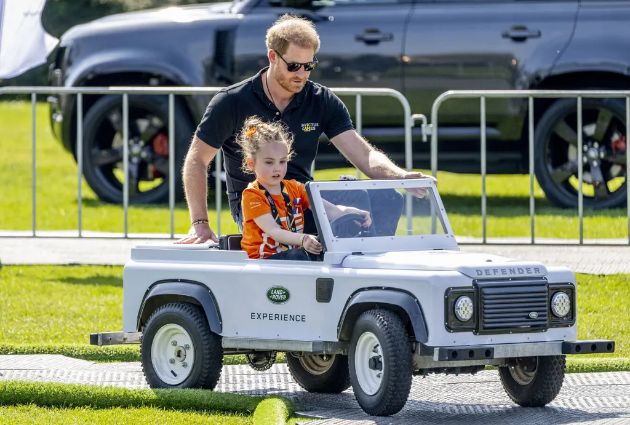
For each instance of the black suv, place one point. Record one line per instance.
(421, 48)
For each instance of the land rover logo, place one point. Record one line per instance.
(278, 294)
(533, 315)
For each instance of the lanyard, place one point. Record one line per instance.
(287, 204)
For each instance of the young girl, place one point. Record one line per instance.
(273, 208)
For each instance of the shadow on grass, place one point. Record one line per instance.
(516, 206)
(94, 280)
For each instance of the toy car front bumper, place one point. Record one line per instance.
(504, 351)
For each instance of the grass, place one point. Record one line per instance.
(57, 206)
(53, 309)
(88, 403)
(35, 415)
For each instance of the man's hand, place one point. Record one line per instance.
(418, 192)
(199, 233)
(418, 175)
(311, 244)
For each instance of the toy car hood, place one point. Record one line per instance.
(474, 265)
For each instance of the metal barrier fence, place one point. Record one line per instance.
(530, 95)
(171, 92)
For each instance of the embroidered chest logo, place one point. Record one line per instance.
(309, 126)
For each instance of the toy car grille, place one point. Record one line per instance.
(513, 306)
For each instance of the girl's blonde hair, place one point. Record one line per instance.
(256, 132)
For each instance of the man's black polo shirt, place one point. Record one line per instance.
(313, 111)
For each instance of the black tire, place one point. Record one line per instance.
(318, 373)
(148, 148)
(166, 367)
(604, 148)
(380, 332)
(533, 381)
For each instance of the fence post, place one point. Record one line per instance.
(483, 169)
(532, 208)
(80, 163)
(171, 162)
(125, 107)
(217, 190)
(359, 118)
(627, 163)
(580, 170)
(34, 165)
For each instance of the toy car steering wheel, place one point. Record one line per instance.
(349, 226)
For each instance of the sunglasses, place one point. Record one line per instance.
(295, 66)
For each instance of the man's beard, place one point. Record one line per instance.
(287, 84)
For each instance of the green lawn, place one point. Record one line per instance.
(35, 415)
(508, 202)
(62, 403)
(55, 308)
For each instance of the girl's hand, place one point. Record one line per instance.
(311, 244)
(367, 218)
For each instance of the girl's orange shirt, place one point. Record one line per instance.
(257, 243)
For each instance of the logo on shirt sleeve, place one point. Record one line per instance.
(309, 126)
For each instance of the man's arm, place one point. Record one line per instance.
(196, 188)
(372, 162)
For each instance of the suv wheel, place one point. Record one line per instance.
(179, 350)
(320, 373)
(380, 362)
(148, 148)
(533, 381)
(603, 153)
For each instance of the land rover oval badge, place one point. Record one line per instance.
(533, 315)
(278, 294)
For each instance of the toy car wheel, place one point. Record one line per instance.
(533, 381)
(179, 350)
(320, 373)
(380, 362)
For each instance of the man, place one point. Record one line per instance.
(280, 92)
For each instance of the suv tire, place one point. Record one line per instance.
(148, 148)
(178, 349)
(604, 149)
(318, 373)
(533, 381)
(380, 362)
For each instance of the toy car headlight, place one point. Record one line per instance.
(560, 304)
(463, 308)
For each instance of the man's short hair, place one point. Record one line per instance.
(292, 29)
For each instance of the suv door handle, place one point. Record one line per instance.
(374, 36)
(520, 33)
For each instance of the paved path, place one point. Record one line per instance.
(600, 259)
(594, 398)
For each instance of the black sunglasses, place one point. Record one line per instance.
(295, 66)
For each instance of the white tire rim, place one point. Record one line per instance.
(172, 354)
(368, 363)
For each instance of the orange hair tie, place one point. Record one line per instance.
(250, 132)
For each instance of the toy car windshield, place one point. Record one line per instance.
(405, 215)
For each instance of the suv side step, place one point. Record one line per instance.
(114, 338)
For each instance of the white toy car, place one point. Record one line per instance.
(376, 311)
